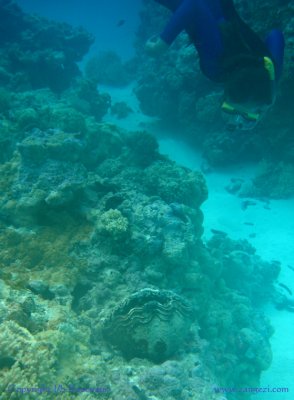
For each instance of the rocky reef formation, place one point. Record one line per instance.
(91, 219)
(105, 282)
(42, 110)
(107, 68)
(272, 180)
(172, 87)
(37, 53)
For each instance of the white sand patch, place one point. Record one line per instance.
(271, 233)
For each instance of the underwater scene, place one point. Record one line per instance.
(146, 199)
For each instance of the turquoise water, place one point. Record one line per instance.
(146, 249)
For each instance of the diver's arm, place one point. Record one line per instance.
(159, 44)
(182, 17)
(195, 17)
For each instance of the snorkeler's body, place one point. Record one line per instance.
(229, 51)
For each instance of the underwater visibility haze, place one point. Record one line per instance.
(146, 199)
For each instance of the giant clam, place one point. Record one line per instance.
(149, 324)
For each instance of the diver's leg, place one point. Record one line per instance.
(216, 9)
(205, 34)
(275, 43)
(196, 17)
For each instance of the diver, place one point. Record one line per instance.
(229, 53)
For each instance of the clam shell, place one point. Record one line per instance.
(149, 324)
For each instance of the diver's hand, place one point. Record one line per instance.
(155, 46)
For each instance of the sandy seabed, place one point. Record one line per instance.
(270, 229)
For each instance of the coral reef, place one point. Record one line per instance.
(38, 53)
(91, 215)
(107, 68)
(87, 222)
(272, 180)
(239, 261)
(112, 223)
(86, 98)
(121, 109)
(176, 184)
(42, 110)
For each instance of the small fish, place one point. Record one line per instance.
(266, 202)
(290, 308)
(120, 23)
(290, 266)
(249, 223)
(246, 203)
(286, 288)
(218, 232)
